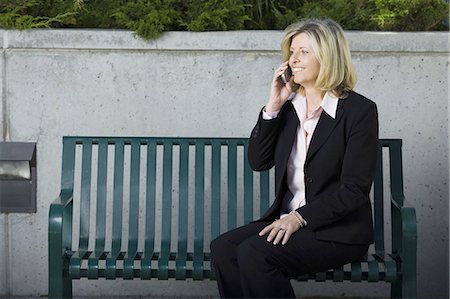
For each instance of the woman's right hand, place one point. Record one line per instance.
(279, 92)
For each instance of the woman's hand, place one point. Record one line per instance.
(279, 92)
(281, 230)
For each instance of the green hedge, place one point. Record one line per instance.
(150, 18)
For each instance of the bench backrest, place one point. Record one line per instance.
(196, 187)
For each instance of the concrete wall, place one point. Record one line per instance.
(83, 82)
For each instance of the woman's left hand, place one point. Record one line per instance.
(281, 230)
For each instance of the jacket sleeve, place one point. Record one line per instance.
(356, 175)
(262, 143)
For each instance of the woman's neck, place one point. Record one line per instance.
(313, 98)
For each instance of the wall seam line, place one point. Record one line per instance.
(5, 137)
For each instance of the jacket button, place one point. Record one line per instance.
(309, 180)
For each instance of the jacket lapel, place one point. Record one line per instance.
(323, 130)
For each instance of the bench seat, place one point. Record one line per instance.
(371, 269)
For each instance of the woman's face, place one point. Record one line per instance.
(303, 62)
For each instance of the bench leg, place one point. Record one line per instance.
(403, 290)
(59, 283)
(409, 286)
(409, 279)
(396, 290)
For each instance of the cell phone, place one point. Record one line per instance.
(286, 76)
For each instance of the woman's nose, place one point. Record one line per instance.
(295, 57)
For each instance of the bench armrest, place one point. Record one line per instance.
(59, 240)
(60, 223)
(404, 241)
(404, 225)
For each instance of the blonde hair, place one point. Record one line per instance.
(331, 49)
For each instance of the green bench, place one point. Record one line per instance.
(147, 208)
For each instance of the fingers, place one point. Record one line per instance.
(279, 91)
(286, 237)
(266, 229)
(276, 233)
(281, 230)
(280, 70)
(272, 229)
(279, 236)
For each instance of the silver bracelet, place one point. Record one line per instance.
(299, 218)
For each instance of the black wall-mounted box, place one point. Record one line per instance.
(17, 177)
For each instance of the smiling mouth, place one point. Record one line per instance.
(298, 69)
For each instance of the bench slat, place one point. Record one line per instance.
(248, 188)
(68, 164)
(100, 224)
(163, 263)
(199, 209)
(391, 271)
(338, 274)
(232, 185)
(215, 189)
(75, 262)
(133, 211)
(264, 191)
(396, 170)
(216, 215)
(116, 238)
(133, 222)
(378, 203)
(117, 198)
(356, 272)
(111, 264)
(374, 271)
(183, 191)
(93, 264)
(85, 194)
(150, 209)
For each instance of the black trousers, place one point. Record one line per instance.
(247, 266)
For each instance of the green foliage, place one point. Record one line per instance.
(25, 14)
(97, 13)
(410, 15)
(149, 18)
(351, 14)
(272, 14)
(215, 15)
(378, 15)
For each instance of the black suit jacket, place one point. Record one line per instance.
(339, 167)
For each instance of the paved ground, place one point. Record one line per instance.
(137, 297)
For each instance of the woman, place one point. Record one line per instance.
(321, 136)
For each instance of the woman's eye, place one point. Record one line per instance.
(304, 52)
